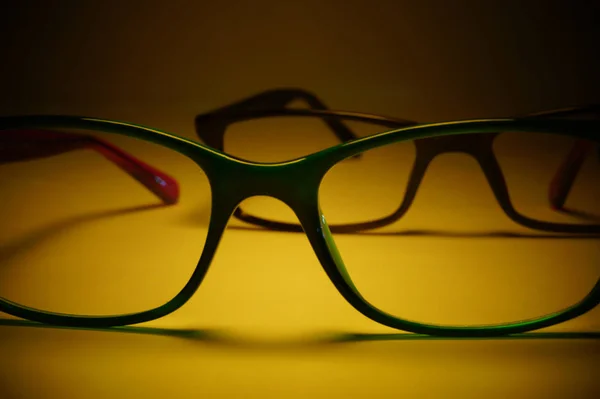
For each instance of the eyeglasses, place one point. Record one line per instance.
(84, 246)
(257, 122)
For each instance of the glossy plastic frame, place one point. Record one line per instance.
(24, 145)
(211, 127)
(296, 183)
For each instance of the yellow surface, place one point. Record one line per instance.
(272, 338)
(267, 322)
(160, 62)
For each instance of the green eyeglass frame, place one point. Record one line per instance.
(296, 183)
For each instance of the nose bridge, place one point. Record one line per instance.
(293, 183)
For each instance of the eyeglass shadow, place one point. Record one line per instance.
(444, 234)
(221, 338)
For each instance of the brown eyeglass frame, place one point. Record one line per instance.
(212, 126)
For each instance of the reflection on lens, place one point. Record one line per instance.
(82, 235)
(455, 258)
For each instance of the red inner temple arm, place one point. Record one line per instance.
(565, 176)
(24, 145)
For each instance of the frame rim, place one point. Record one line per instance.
(307, 172)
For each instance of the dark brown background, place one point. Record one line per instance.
(426, 60)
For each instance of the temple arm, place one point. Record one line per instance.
(25, 145)
(565, 176)
(211, 126)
